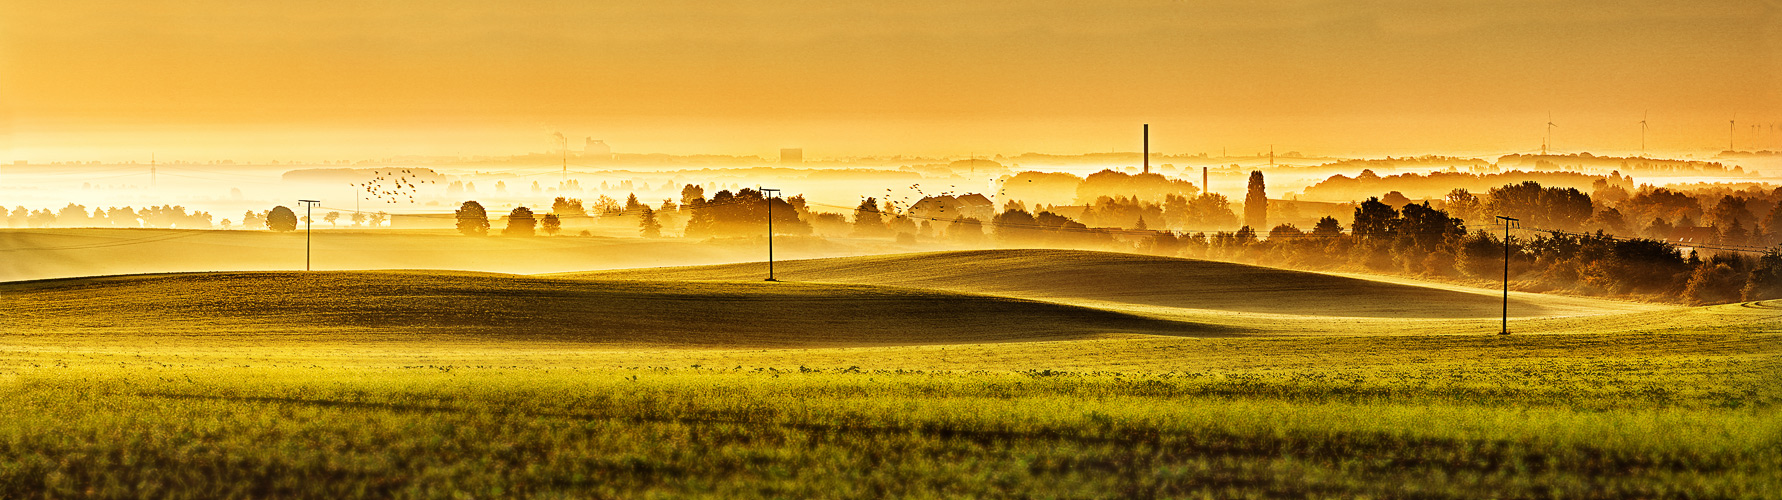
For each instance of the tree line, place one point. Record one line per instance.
(1422, 241)
(73, 215)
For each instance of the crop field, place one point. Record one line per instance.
(27, 254)
(687, 382)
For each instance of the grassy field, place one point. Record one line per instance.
(638, 385)
(27, 254)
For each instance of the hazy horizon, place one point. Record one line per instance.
(116, 81)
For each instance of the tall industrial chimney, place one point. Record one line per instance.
(1204, 188)
(1147, 148)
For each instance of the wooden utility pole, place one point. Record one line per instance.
(765, 196)
(307, 223)
(1507, 223)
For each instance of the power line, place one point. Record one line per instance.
(135, 241)
(1711, 246)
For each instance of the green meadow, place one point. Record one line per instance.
(982, 380)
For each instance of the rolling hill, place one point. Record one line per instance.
(1102, 278)
(414, 305)
(30, 254)
(909, 299)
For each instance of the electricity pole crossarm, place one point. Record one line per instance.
(1508, 222)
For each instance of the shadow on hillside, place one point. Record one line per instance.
(418, 306)
(1116, 277)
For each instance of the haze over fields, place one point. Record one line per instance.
(922, 249)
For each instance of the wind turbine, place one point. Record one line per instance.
(1730, 133)
(1549, 140)
(1643, 133)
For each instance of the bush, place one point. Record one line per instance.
(520, 222)
(281, 219)
(472, 219)
(1766, 279)
(1714, 283)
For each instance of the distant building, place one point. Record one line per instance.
(792, 156)
(946, 208)
(596, 148)
(936, 208)
(977, 206)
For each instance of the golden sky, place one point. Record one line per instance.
(311, 79)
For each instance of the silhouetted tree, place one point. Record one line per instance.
(1244, 236)
(568, 207)
(1148, 188)
(1642, 266)
(1209, 211)
(965, 230)
(1660, 203)
(1729, 210)
(1564, 209)
(1717, 281)
(647, 225)
(378, 219)
(1766, 278)
(1427, 227)
(551, 224)
(1660, 229)
(281, 219)
(1373, 220)
(520, 222)
(1327, 227)
(1464, 205)
(1256, 202)
(333, 218)
(868, 220)
(692, 194)
(1608, 220)
(786, 215)
(631, 204)
(606, 205)
(72, 216)
(1016, 226)
(472, 220)
(1284, 232)
(1735, 234)
(830, 224)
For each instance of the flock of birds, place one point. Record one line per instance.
(903, 204)
(395, 186)
(389, 187)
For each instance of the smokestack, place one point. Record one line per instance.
(1147, 148)
(1204, 188)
